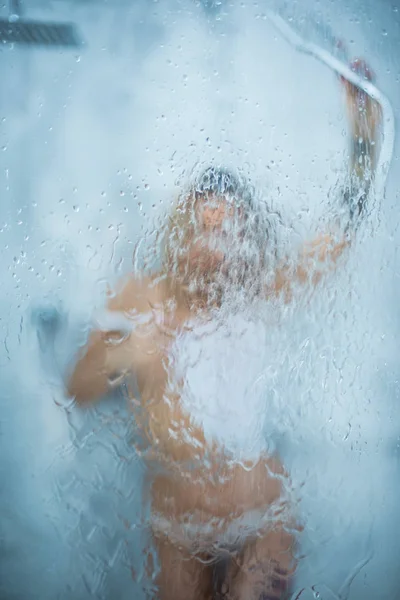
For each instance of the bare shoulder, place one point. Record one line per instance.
(138, 293)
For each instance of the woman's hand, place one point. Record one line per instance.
(365, 117)
(364, 112)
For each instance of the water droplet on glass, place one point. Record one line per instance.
(384, 32)
(75, 208)
(115, 378)
(146, 186)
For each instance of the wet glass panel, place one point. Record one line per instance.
(231, 432)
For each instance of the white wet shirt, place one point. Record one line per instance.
(224, 368)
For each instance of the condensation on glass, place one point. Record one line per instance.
(199, 253)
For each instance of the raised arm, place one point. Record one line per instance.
(320, 256)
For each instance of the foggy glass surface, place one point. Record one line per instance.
(96, 144)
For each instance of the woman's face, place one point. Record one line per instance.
(213, 215)
(216, 226)
(223, 249)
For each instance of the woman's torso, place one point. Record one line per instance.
(200, 399)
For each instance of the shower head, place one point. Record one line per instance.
(38, 33)
(18, 30)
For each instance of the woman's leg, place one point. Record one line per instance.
(183, 576)
(263, 570)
